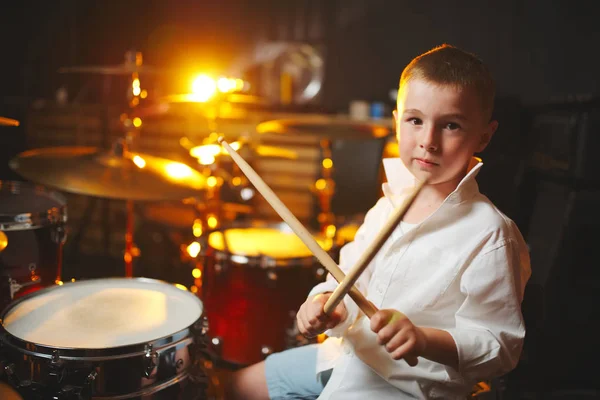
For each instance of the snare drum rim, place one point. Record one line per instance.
(261, 261)
(36, 219)
(184, 336)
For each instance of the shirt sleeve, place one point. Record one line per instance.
(490, 330)
(349, 255)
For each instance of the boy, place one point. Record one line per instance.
(449, 281)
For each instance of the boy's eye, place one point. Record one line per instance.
(452, 126)
(415, 121)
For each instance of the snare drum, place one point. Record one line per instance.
(113, 338)
(255, 278)
(33, 220)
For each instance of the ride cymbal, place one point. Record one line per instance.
(333, 127)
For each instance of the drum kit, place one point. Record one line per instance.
(133, 337)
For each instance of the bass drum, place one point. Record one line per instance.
(255, 277)
(113, 338)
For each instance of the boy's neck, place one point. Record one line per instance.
(428, 201)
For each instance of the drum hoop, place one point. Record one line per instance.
(148, 390)
(33, 220)
(261, 261)
(185, 335)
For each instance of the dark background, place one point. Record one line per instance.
(543, 54)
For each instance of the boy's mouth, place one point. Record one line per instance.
(424, 162)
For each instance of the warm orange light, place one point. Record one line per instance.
(137, 122)
(59, 283)
(194, 289)
(197, 228)
(205, 150)
(203, 88)
(178, 170)
(330, 231)
(139, 161)
(226, 85)
(136, 87)
(321, 184)
(144, 94)
(211, 181)
(193, 249)
(206, 160)
(212, 221)
(196, 273)
(180, 286)
(239, 84)
(327, 163)
(236, 181)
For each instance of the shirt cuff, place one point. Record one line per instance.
(478, 353)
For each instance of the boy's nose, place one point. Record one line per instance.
(429, 140)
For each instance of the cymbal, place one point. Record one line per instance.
(211, 150)
(234, 98)
(330, 126)
(263, 151)
(3, 241)
(93, 172)
(119, 69)
(8, 122)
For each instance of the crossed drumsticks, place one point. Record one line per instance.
(346, 282)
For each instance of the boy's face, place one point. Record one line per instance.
(439, 128)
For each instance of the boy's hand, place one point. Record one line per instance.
(401, 338)
(311, 317)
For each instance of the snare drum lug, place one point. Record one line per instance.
(55, 357)
(217, 344)
(266, 350)
(88, 387)
(150, 361)
(55, 368)
(202, 326)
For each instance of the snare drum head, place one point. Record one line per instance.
(272, 242)
(102, 313)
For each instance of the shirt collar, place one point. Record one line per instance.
(399, 179)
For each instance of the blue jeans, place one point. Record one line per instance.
(292, 374)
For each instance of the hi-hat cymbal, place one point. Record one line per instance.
(93, 172)
(8, 122)
(3, 241)
(329, 126)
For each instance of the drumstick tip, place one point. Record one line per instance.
(220, 139)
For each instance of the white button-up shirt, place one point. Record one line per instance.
(463, 269)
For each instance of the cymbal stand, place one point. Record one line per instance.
(132, 127)
(324, 188)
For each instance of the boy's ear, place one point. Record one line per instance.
(487, 135)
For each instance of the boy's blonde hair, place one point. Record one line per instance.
(448, 65)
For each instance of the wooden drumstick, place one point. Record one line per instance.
(366, 306)
(372, 250)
